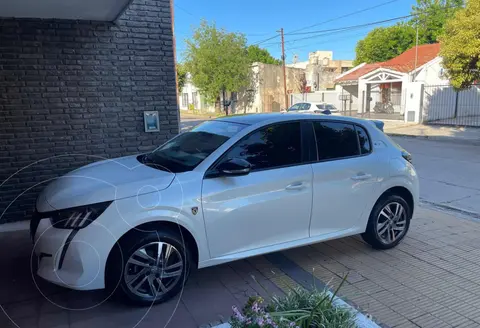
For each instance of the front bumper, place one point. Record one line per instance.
(66, 257)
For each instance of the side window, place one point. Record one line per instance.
(321, 106)
(365, 146)
(294, 107)
(270, 147)
(335, 140)
(306, 106)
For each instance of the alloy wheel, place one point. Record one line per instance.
(153, 270)
(391, 222)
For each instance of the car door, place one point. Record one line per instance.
(345, 176)
(269, 206)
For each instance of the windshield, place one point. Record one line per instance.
(189, 149)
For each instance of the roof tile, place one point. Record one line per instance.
(404, 62)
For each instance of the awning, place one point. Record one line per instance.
(98, 10)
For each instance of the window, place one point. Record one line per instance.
(321, 106)
(187, 150)
(365, 146)
(335, 140)
(331, 107)
(195, 100)
(305, 106)
(270, 147)
(295, 107)
(185, 100)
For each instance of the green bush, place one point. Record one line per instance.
(298, 308)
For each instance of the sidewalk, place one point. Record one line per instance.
(468, 135)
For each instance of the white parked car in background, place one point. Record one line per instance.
(231, 188)
(314, 107)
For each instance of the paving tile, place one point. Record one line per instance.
(23, 309)
(219, 306)
(53, 320)
(407, 324)
(21, 322)
(429, 321)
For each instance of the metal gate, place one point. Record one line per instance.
(444, 106)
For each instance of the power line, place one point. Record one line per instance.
(344, 16)
(262, 41)
(332, 40)
(184, 10)
(322, 33)
(354, 26)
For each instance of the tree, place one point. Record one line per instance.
(217, 61)
(460, 46)
(181, 76)
(384, 43)
(257, 54)
(431, 16)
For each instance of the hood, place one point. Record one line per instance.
(103, 181)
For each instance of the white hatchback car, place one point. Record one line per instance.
(314, 107)
(229, 189)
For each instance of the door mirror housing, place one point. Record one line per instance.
(231, 167)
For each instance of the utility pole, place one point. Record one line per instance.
(284, 70)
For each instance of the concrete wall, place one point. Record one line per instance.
(73, 92)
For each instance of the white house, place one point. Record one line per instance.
(412, 87)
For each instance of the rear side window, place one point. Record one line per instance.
(365, 146)
(335, 140)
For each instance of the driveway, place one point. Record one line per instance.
(430, 280)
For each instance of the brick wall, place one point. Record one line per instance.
(72, 92)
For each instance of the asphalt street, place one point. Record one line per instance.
(449, 172)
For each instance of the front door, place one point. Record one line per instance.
(269, 206)
(344, 177)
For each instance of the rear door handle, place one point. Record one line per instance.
(295, 186)
(361, 176)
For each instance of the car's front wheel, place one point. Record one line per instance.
(149, 267)
(388, 223)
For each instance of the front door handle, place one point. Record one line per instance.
(295, 186)
(361, 177)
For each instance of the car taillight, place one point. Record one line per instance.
(407, 156)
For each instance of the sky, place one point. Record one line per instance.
(260, 19)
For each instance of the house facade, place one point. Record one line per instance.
(412, 87)
(321, 69)
(381, 88)
(264, 94)
(75, 83)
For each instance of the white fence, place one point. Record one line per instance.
(331, 97)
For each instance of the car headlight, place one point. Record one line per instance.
(77, 217)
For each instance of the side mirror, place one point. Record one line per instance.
(234, 167)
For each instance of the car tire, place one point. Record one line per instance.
(382, 224)
(136, 274)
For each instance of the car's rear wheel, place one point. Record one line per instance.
(149, 267)
(388, 223)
